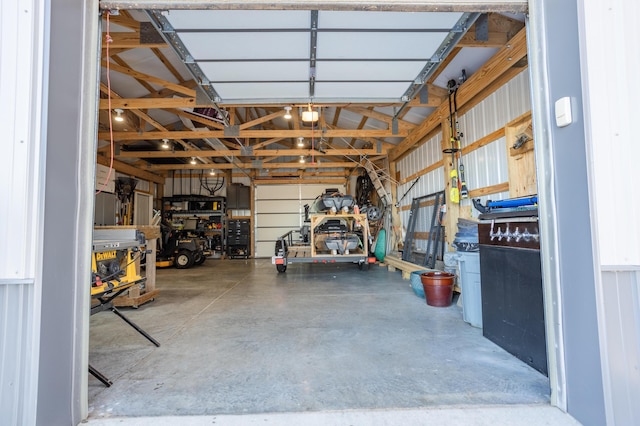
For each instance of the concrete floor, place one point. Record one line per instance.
(242, 343)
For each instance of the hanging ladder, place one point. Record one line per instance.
(377, 183)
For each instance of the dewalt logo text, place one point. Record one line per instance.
(105, 255)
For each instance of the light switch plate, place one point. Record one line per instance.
(563, 112)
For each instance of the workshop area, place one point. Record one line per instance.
(354, 227)
(318, 213)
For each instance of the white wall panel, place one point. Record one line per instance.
(22, 54)
(277, 206)
(484, 167)
(280, 220)
(194, 185)
(272, 234)
(280, 209)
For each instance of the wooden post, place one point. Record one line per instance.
(453, 209)
(396, 222)
(521, 161)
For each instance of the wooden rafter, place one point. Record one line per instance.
(238, 153)
(201, 134)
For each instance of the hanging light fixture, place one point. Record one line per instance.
(212, 172)
(165, 143)
(310, 115)
(193, 160)
(287, 114)
(118, 116)
(302, 159)
(300, 141)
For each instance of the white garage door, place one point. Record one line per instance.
(280, 209)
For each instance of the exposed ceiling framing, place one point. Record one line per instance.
(158, 94)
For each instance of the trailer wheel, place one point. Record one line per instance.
(281, 268)
(184, 259)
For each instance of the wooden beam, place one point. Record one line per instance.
(238, 153)
(262, 119)
(423, 171)
(297, 180)
(129, 40)
(198, 119)
(202, 134)
(140, 81)
(144, 116)
(229, 166)
(265, 143)
(502, 61)
(151, 79)
(488, 190)
(130, 170)
(167, 64)
(379, 116)
(124, 20)
(149, 103)
(496, 39)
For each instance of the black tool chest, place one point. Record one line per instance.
(238, 238)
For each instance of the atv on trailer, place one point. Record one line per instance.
(180, 249)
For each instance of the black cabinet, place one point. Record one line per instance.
(238, 238)
(238, 197)
(512, 299)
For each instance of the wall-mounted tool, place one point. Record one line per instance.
(459, 188)
(505, 204)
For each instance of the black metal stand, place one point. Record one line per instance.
(98, 375)
(106, 303)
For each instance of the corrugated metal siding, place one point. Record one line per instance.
(484, 167)
(279, 209)
(621, 324)
(612, 35)
(428, 184)
(16, 335)
(21, 206)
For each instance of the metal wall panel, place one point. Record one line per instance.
(22, 49)
(278, 206)
(17, 336)
(281, 220)
(193, 185)
(484, 167)
(280, 209)
(613, 134)
(621, 326)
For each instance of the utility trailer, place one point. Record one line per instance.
(329, 238)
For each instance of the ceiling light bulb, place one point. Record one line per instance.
(302, 159)
(287, 114)
(165, 143)
(193, 160)
(300, 141)
(118, 116)
(309, 115)
(212, 172)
